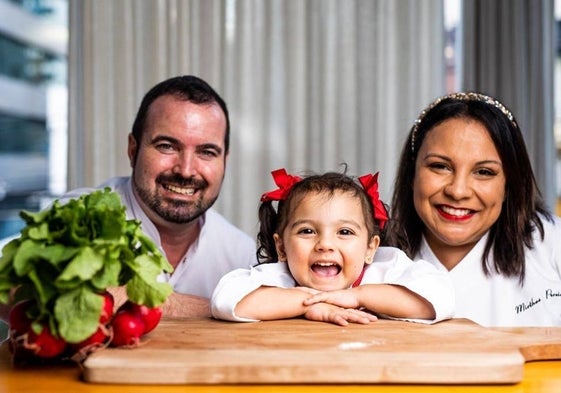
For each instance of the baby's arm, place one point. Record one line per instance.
(268, 303)
(268, 292)
(385, 299)
(271, 303)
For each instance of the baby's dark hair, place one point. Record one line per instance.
(274, 221)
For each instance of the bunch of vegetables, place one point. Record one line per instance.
(59, 270)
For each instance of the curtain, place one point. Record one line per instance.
(508, 51)
(310, 84)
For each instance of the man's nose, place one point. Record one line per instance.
(186, 164)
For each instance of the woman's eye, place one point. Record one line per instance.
(485, 172)
(438, 166)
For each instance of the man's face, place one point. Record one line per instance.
(179, 163)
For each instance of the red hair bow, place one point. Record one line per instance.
(285, 183)
(370, 184)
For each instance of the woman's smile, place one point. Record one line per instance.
(451, 213)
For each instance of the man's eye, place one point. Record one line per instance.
(164, 146)
(209, 153)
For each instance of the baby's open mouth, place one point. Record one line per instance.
(326, 269)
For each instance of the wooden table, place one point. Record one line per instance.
(538, 376)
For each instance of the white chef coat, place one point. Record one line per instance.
(501, 301)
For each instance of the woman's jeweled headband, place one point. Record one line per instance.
(467, 96)
(369, 182)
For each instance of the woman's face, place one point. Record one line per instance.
(459, 187)
(325, 242)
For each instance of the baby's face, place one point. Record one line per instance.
(326, 241)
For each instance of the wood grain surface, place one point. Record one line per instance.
(206, 351)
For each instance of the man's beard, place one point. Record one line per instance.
(176, 211)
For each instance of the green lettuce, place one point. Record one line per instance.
(70, 253)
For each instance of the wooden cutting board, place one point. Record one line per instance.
(206, 351)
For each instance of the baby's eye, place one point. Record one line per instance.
(345, 232)
(305, 231)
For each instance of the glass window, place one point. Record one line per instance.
(33, 106)
(452, 10)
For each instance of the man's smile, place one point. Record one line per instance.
(180, 190)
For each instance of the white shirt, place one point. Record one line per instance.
(220, 247)
(500, 301)
(390, 266)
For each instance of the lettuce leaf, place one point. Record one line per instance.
(70, 253)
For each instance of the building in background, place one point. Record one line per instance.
(33, 106)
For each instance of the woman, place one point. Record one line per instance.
(466, 200)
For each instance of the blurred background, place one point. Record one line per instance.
(310, 84)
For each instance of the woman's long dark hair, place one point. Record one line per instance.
(523, 204)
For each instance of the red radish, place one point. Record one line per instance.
(107, 309)
(127, 329)
(97, 339)
(45, 344)
(18, 319)
(149, 316)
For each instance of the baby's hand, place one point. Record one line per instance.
(324, 312)
(345, 298)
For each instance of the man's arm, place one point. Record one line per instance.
(180, 305)
(177, 305)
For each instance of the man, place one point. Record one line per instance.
(177, 150)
